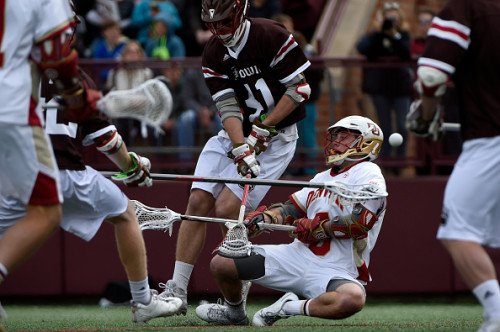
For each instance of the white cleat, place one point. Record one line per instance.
(218, 313)
(269, 315)
(171, 290)
(490, 326)
(157, 307)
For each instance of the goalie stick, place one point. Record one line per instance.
(348, 194)
(164, 218)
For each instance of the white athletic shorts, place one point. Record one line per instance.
(89, 199)
(471, 205)
(214, 162)
(294, 268)
(26, 159)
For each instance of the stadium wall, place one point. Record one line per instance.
(406, 260)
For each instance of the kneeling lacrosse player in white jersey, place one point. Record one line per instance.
(90, 198)
(332, 241)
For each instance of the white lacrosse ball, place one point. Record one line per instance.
(395, 139)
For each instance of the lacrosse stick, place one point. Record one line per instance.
(345, 192)
(164, 218)
(235, 244)
(150, 103)
(450, 126)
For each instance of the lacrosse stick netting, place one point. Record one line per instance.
(235, 243)
(155, 218)
(350, 194)
(150, 103)
(163, 219)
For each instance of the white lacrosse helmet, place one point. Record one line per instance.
(353, 138)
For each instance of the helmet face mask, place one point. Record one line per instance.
(225, 19)
(353, 138)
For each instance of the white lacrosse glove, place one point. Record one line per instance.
(138, 175)
(423, 128)
(260, 136)
(243, 156)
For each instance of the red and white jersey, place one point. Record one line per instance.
(464, 41)
(256, 71)
(352, 256)
(24, 23)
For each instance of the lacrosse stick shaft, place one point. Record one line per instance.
(450, 126)
(243, 181)
(274, 227)
(241, 216)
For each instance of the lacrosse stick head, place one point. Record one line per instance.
(235, 243)
(353, 138)
(350, 194)
(150, 103)
(155, 218)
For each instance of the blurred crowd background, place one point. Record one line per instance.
(363, 54)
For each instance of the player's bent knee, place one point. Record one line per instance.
(200, 202)
(222, 266)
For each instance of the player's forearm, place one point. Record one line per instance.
(121, 158)
(234, 129)
(429, 106)
(284, 107)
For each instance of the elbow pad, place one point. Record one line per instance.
(353, 226)
(431, 82)
(228, 107)
(298, 89)
(109, 143)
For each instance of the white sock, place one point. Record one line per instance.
(140, 291)
(235, 310)
(488, 294)
(182, 274)
(297, 307)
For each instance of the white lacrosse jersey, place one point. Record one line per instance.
(27, 22)
(349, 255)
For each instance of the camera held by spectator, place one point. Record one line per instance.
(388, 24)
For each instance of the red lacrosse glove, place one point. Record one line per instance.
(310, 230)
(81, 105)
(252, 219)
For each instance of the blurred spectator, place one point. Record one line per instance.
(163, 42)
(110, 47)
(194, 34)
(425, 17)
(264, 8)
(119, 11)
(390, 88)
(144, 13)
(127, 77)
(314, 75)
(305, 14)
(193, 109)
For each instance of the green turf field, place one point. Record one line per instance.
(402, 314)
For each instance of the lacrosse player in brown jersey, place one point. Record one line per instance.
(254, 71)
(327, 264)
(463, 45)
